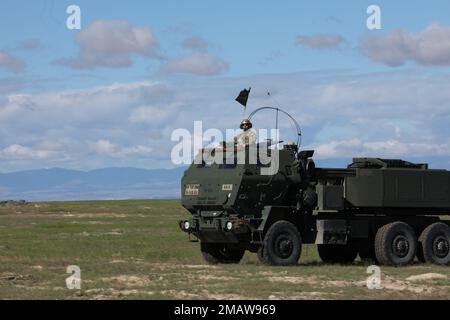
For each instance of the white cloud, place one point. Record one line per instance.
(342, 114)
(19, 152)
(71, 119)
(320, 41)
(150, 115)
(30, 44)
(197, 63)
(9, 85)
(430, 46)
(196, 43)
(391, 148)
(98, 105)
(106, 147)
(11, 63)
(110, 43)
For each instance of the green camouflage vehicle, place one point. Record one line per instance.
(381, 209)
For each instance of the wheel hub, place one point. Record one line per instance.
(284, 247)
(400, 246)
(441, 247)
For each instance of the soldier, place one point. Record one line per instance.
(247, 137)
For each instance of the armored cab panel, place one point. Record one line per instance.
(221, 185)
(397, 184)
(330, 197)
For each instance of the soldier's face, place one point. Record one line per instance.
(245, 127)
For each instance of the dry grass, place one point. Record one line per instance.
(134, 250)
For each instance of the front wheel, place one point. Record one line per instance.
(282, 244)
(215, 253)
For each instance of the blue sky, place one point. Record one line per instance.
(67, 101)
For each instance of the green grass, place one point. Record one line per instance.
(134, 250)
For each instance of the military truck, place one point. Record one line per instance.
(387, 210)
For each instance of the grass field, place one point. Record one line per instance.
(134, 250)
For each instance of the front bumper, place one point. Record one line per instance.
(216, 230)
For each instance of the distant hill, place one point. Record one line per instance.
(108, 183)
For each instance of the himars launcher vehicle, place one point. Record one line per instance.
(382, 209)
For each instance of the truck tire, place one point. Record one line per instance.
(215, 253)
(282, 244)
(336, 253)
(434, 244)
(395, 244)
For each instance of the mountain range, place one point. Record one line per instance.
(57, 184)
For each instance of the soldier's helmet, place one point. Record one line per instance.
(246, 123)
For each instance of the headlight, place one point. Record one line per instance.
(229, 225)
(186, 225)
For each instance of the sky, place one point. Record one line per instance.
(111, 93)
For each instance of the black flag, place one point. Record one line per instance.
(243, 97)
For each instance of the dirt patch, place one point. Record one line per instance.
(390, 283)
(90, 222)
(93, 215)
(82, 215)
(38, 268)
(15, 277)
(205, 294)
(405, 286)
(199, 266)
(226, 296)
(117, 261)
(115, 232)
(271, 274)
(296, 280)
(129, 280)
(315, 281)
(427, 277)
(174, 266)
(111, 293)
(181, 294)
(339, 283)
(215, 278)
(312, 295)
(387, 283)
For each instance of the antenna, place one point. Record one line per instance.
(277, 111)
(294, 122)
(275, 100)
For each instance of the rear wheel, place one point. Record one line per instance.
(215, 253)
(434, 244)
(335, 253)
(282, 244)
(395, 244)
